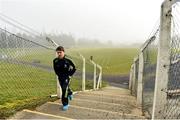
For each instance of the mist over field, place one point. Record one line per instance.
(87, 23)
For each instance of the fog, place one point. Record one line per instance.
(109, 21)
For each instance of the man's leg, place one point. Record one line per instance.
(64, 86)
(70, 93)
(62, 89)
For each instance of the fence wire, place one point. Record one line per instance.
(172, 108)
(25, 71)
(149, 72)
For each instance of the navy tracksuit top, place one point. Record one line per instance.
(63, 67)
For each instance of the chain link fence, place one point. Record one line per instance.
(25, 72)
(149, 73)
(172, 108)
(168, 104)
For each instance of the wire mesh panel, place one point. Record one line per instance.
(25, 72)
(149, 73)
(172, 108)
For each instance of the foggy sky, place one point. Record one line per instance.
(122, 21)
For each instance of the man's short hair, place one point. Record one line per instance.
(60, 48)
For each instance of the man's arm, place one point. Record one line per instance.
(54, 66)
(72, 68)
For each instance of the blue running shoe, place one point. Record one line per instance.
(65, 107)
(70, 97)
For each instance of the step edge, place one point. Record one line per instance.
(94, 93)
(98, 110)
(93, 101)
(108, 98)
(46, 114)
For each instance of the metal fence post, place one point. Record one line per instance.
(133, 79)
(140, 80)
(130, 78)
(163, 60)
(134, 76)
(94, 83)
(83, 73)
(99, 84)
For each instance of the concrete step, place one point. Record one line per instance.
(106, 99)
(102, 105)
(98, 95)
(77, 112)
(116, 91)
(107, 94)
(107, 103)
(29, 114)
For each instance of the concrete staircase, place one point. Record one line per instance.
(107, 103)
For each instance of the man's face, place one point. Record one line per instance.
(60, 54)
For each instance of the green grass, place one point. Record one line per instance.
(113, 60)
(44, 56)
(23, 86)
